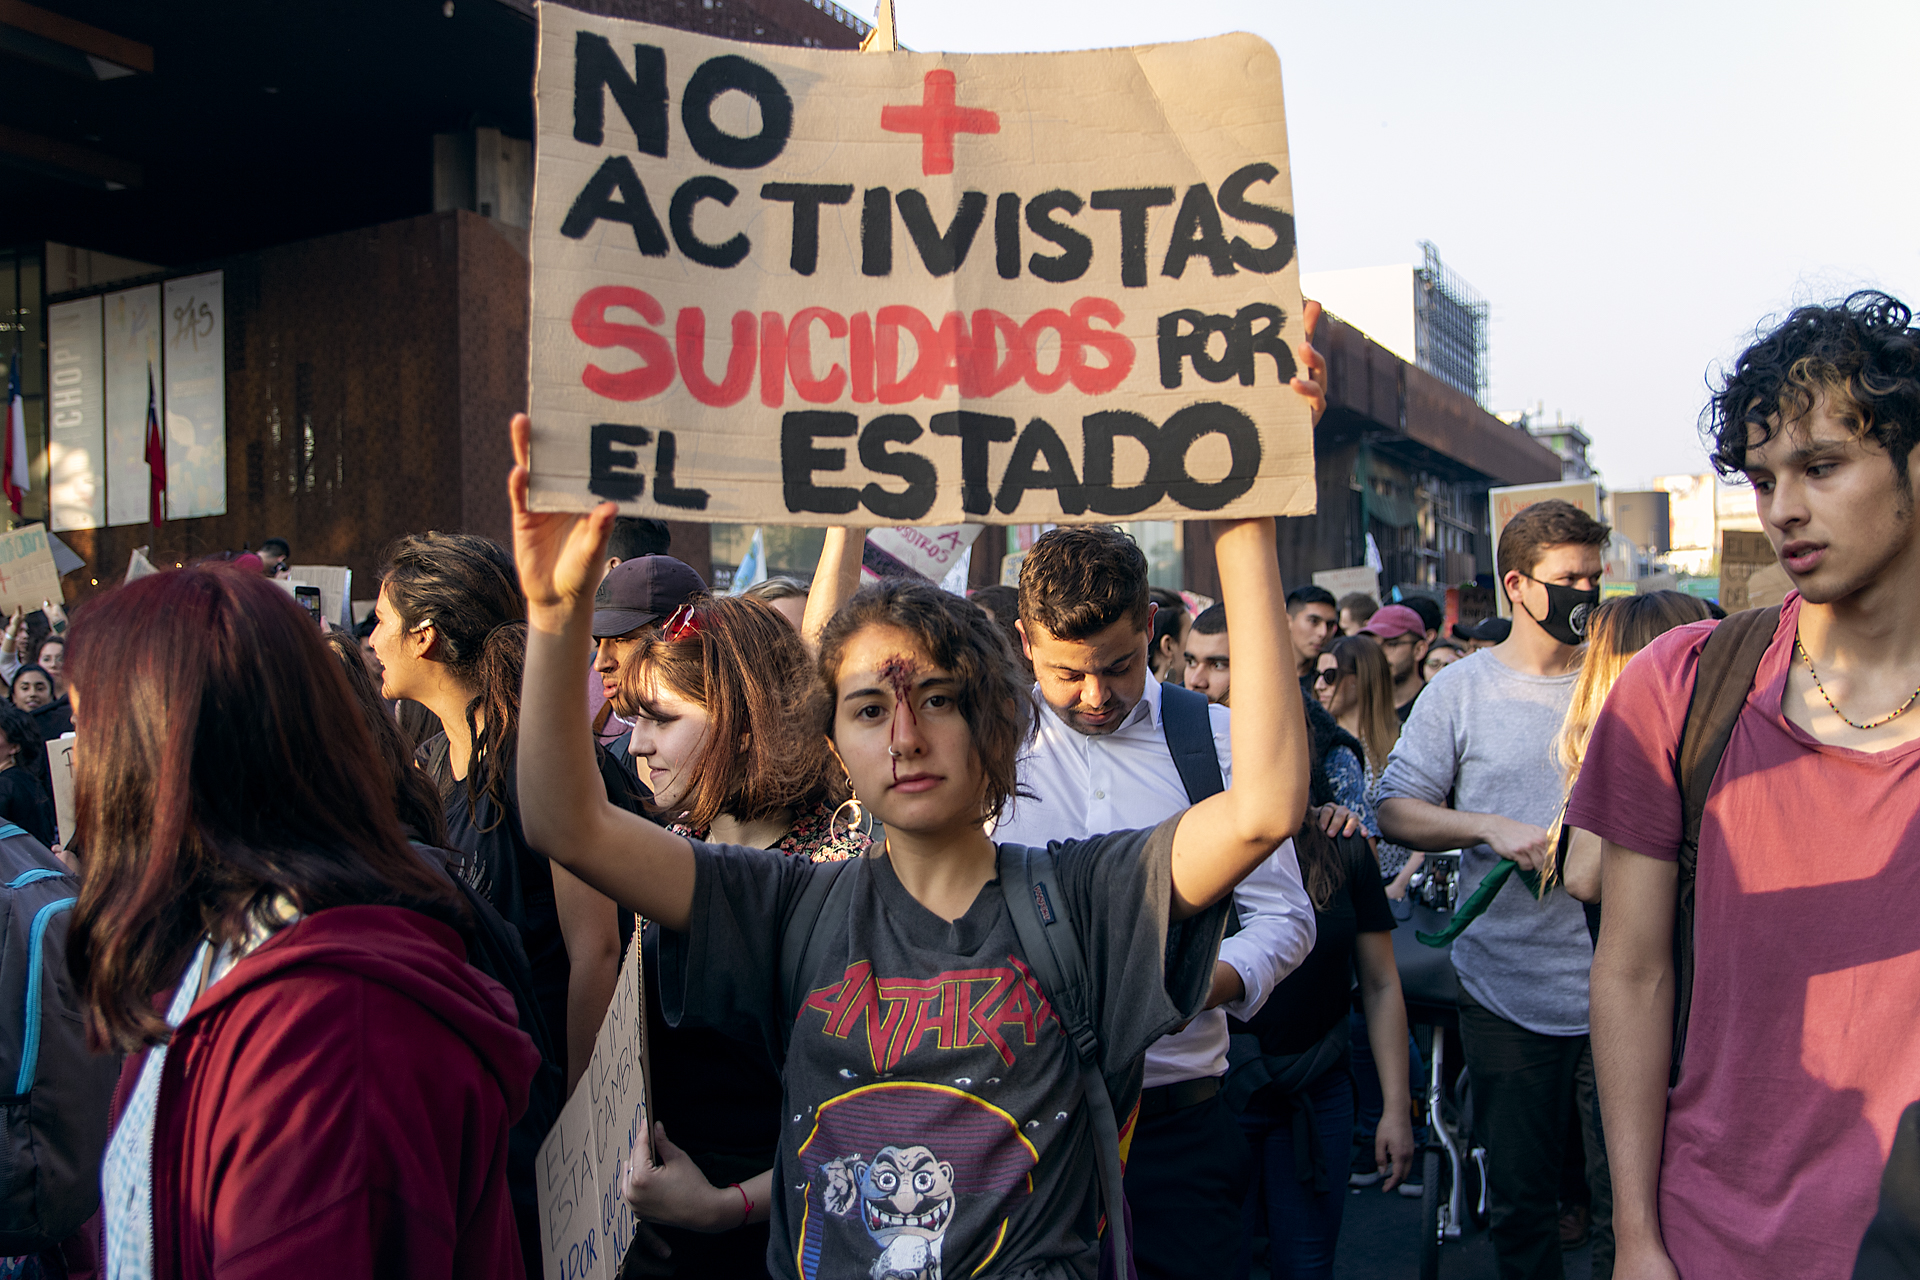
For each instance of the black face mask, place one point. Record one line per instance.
(1568, 609)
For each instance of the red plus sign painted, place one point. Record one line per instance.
(936, 120)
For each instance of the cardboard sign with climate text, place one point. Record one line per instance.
(804, 286)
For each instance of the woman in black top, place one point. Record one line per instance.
(34, 691)
(449, 635)
(23, 800)
(1292, 1065)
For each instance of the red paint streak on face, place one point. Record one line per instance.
(899, 672)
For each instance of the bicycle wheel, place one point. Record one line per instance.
(1432, 1195)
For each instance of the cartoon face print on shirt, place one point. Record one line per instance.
(905, 1201)
(945, 1165)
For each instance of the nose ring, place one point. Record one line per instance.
(895, 752)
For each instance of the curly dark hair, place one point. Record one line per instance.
(958, 637)
(1861, 355)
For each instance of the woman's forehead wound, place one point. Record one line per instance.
(900, 672)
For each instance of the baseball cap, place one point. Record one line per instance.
(1394, 620)
(642, 590)
(1494, 629)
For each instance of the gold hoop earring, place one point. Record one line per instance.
(856, 819)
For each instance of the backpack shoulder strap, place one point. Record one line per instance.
(36, 964)
(1188, 727)
(1030, 881)
(1729, 660)
(817, 915)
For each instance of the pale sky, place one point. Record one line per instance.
(1633, 186)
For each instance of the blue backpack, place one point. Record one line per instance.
(57, 1111)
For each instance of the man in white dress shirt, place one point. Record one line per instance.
(1101, 762)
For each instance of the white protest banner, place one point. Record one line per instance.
(585, 1226)
(1345, 582)
(799, 286)
(60, 771)
(1505, 503)
(928, 553)
(28, 576)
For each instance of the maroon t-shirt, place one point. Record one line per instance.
(1803, 1043)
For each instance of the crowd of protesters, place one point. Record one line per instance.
(1047, 933)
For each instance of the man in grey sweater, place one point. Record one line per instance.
(1483, 734)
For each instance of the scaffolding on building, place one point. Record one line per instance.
(1449, 326)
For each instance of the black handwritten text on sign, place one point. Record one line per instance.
(800, 286)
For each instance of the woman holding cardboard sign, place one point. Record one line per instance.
(934, 1115)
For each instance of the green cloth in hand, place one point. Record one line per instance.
(1479, 900)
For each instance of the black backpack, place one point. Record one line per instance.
(1729, 660)
(58, 1109)
(1047, 936)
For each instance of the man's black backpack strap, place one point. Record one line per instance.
(1728, 663)
(1039, 909)
(1891, 1248)
(817, 916)
(1189, 733)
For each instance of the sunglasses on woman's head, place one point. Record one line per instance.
(683, 622)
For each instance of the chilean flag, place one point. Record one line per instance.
(156, 457)
(14, 473)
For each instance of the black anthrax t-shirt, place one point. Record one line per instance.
(932, 1122)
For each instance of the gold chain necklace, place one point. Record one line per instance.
(1894, 714)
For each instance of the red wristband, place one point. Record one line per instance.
(746, 1203)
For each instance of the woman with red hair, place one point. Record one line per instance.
(318, 1083)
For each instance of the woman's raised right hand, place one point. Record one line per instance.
(559, 554)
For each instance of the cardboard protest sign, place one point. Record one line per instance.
(28, 576)
(1345, 582)
(1743, 555)
(799, 286)
(1767, 586)
(1507, 502)
(927, 553)
(585, 1226)
(60, 770)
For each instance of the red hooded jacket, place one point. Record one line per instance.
(337, 1105)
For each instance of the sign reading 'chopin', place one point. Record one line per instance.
(802, 286)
